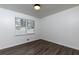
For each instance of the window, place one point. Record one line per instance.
(24, 26)
(30, 26)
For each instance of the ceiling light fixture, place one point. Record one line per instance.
(37, 6)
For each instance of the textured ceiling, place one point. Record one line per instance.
(46, 9)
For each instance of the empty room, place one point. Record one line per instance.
(39, 29)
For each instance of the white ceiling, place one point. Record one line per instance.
(46, 9)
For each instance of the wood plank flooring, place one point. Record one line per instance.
(39, 47)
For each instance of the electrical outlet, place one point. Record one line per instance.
(28, 39)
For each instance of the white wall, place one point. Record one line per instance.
(62, 28)
(8, 36)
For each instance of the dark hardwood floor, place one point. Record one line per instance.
(39, 47)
